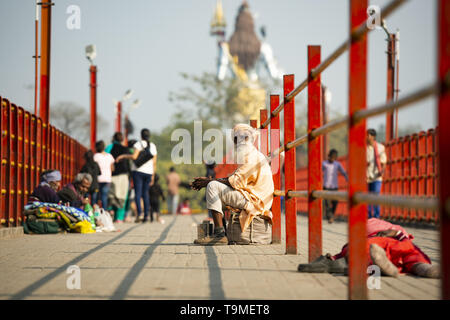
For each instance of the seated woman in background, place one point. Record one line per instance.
(46, 191)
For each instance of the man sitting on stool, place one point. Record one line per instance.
(250, 188)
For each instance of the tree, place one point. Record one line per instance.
(74, 120)
(224, 103)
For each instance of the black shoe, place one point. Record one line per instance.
(323, 264)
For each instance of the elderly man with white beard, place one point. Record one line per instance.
(250, 188)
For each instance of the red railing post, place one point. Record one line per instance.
(276, 169)
(39, 147)
(13, 165)
(422, 170)
(406, 172)
(27, 156)
(429, 187)
(357, 257)
(397, 188)
(390, 85)
(414, 172)
(315, 157)
(44, 106)
(119, 117)
(4, 154)
(436, 170)
(20, 166)
(443, 51)
(93, 90)
(33, 125)
(289, 167)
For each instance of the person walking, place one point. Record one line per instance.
(144, 168)
(106, 163)
(331, 167)
(376, 164)
(120, 180)
(173, 183)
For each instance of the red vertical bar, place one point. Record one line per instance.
(33, 125)
(44, 140)
(64, 157)
(289, 167)
(44, 106)
(414, 172)
(13, 157)
(39, 153)
(390, 86)
(398, 173)
(429, 187)
(93, 85)
(119, 117)
(4, 153)
(27, 157)
(406, 171)
(422, 170)
(72, 158)
(443, 13)
(20, 166)
(53, 163)
(386, 187)
(315, 157)
(357, 259)
(436, 171)
(276, 169)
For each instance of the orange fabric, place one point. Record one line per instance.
(403, 254)
(254, 180)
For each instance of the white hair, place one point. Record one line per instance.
(83, 176)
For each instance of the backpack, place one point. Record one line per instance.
(144, 156)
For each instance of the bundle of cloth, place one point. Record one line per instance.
(63, 218)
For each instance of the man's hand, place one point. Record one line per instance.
(200, 182)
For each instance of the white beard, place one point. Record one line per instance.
(242, 151)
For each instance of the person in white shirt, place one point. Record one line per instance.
(143, 175)
(106, 163)
(376, 164)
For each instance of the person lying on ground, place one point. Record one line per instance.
(389, 247)
(250, 188)
(46, 191)
(75, 194)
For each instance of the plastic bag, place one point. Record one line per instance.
(105, 219)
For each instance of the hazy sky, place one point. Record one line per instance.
(145, 44)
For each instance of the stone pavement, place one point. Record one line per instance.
(159, 261)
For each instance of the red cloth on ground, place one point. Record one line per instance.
(375, 225)
(403, 254)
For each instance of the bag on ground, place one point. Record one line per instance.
(258, 232)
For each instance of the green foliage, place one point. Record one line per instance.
(220, 102)
(187, 172)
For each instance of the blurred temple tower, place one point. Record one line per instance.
(244, 56)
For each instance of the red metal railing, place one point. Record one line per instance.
(420, 165)
(29, 147)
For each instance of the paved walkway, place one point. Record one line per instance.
(154, 261)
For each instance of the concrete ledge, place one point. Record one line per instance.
(9, 233)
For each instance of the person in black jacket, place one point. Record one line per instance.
(156, 193)
(120, 182)
(93, 169)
